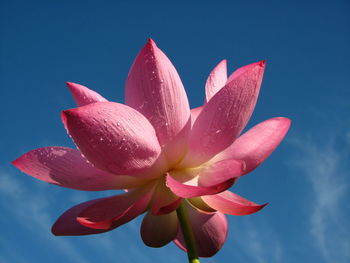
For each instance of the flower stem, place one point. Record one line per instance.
(187, 233)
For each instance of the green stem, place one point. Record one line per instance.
(187, 233)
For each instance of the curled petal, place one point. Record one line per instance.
(154, 88)
(210, 231)
(232, 204)
(205, 180)
(157, 231)
(83, 95)
(67, 224)
(113, 137)
(224, 116)
(117, 210)
(216, 80)
(258, 143)
(66, 167)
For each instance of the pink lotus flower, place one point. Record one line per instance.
(161, 152)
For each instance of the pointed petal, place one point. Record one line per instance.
(83, 95)
(157, 231)
(66, 167)
(232, 204)
(164, 201)
(155, 89)
(195, 113)
(224, 116)
(241, 70)
(210, 231)
(216, 80)
(113, 137)
(205, 181)
(258, 143)
(116, 210)
(67, 224)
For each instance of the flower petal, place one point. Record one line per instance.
(157, 231)
(224, 116)
(216, 80)
(239, 71)
(67, 224)
(195, 113)
(113, 137)
(83, 95)
(164, 201)
(210, 231)
(154, 88)
(67, 168)
(232, 204)
(205, 180)
(258, 143)
(116, 210)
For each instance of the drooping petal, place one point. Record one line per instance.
(224, 116)
(67, 224)
(164, 201)
(83, 95)
(157, 231)
(232, 204)
(66, 167)
(116, 210)
(194, 114)
(258, 143)
(205, 180)
(154, 88)
(216, 80)
(210, 231)
(113, 137)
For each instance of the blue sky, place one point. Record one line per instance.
(306, 180)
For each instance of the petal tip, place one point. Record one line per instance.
(262, 63)
(151, 42)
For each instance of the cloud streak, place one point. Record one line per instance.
(30, 209)
(326, 169)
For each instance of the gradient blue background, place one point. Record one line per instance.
(306, 180)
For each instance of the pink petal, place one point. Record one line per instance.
(232, 204)
(113, 137)
(210, 231)
(67, 224)
(258, 143)
(67, 168)
(84, 96)
(157, 231)
(224, 116)
(117, 210)
(205, 181)
(164, 201)
(241, 70)
(154, 88)
(195, 113)
(216, 80)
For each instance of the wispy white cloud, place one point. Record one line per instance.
(326, 168)
(257, 240)
(30, 209)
